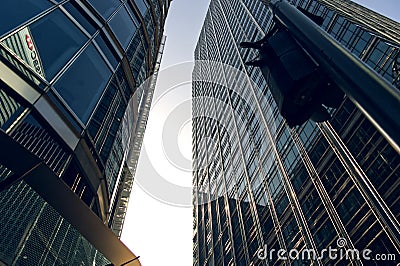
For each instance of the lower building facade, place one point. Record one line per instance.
(265, 193)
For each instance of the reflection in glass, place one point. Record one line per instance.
(101, 40)
(142, 6)
(76, 12)
(57, 39)
(123, 27)
(82, 92)
(105, 8)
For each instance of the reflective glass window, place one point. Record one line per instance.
(83, 83)
(105, 8)
(132, 13)
(142, 6)
(337, 26)
(379, 55)
(10, 109)
(12, 14)
(57, 40)
(122, 82)
(361, 44)
(75, 11)
(123, 27)
(101, 40)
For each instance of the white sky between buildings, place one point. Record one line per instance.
(160, 233)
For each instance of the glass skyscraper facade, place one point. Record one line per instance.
(259, 184)
(76, 84)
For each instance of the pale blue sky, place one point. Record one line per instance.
(185, 19)
(160, 233)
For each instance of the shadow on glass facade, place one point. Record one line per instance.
(257, 182)
(72, 94)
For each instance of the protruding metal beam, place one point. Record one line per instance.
(373, 95)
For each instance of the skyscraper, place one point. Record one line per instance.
(77, 79)
(260, 185)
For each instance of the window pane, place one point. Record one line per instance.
(123, 27)
(76, 12)
(57, 40)
(142, 6)
(13, 15)
(82, 91)
(105, 8)
(101, 40)
(10, 109)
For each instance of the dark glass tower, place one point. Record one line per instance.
(257, 182)
(76, 83)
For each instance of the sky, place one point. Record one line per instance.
(156, 230)
(389, 8)
(159, 221)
